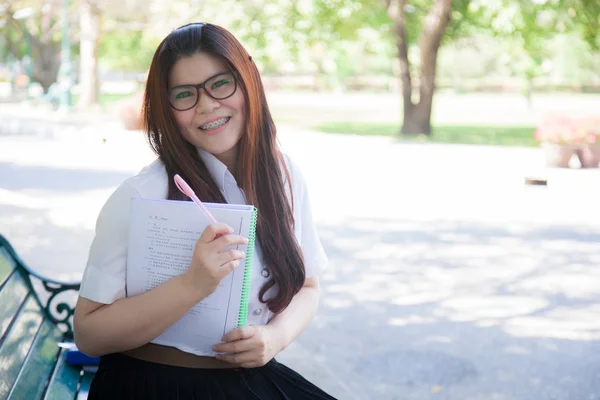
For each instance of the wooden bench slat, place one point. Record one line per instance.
(38, 366)
(7, 265)
(64, 382)
(12, 296)
(17, 344)
(84, 388)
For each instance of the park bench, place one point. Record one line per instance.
(35, 316)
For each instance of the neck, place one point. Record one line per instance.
(229, 158)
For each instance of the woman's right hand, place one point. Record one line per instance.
(210, 263)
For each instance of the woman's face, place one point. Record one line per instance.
(212, 125)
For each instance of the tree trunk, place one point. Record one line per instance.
(417, 120)
(417, 116)
(402, 45)
(90, 33)
(46, 62)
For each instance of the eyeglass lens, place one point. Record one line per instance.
(218, 87)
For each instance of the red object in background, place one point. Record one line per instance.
(130, 112)
(569, 130)
(563, 137)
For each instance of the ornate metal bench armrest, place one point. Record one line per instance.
(59, 312)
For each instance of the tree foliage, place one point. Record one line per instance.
(327, 37)
(31, 28)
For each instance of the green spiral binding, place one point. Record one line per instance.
(243, 315)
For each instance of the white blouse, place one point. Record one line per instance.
(104, 277)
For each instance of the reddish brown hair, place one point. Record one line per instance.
(258, 168)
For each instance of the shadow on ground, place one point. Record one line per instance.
(22, 177)
(457, 311)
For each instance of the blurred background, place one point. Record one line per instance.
(450, 149)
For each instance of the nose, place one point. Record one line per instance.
(206, 104)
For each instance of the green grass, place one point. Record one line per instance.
(457, 134)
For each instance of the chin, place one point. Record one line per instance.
(217, 149)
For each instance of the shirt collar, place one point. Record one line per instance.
(217, 169)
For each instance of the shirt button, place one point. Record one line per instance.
(265, 273)
(257, 312)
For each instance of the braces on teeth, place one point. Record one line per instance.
(214, 124)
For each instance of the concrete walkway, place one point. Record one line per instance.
(448, 279)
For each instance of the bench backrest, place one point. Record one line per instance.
(28, 329)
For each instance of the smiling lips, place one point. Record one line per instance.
(215, 124)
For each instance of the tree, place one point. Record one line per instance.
(418, 24)
(37, 34)
(90, 15)
(417, 114)
(534, 23)
(424, 25)
(40, 35)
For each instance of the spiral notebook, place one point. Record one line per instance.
(162, 237)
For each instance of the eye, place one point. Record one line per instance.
(219, 83)
(183, 95)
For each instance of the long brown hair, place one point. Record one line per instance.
(258, 168)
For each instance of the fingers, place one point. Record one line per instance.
(230, 255)
(250, 358)
(239, 346)
(229, 240)
(245, 332)
(213, 231)
(245, 347)
(227, 268)
(247, 359)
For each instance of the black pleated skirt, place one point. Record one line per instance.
(123, 377)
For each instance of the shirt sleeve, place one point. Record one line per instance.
(315, 258)
(105, 273)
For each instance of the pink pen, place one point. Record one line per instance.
(187, 190)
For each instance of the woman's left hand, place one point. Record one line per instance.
(249, 346)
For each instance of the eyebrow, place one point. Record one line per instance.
(204, 81)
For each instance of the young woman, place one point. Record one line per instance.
(207, 119)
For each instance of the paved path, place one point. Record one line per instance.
(449, 279)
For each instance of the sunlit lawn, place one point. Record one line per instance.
(459, 134)
(473, 118)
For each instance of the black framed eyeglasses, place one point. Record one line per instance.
(219, 87)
